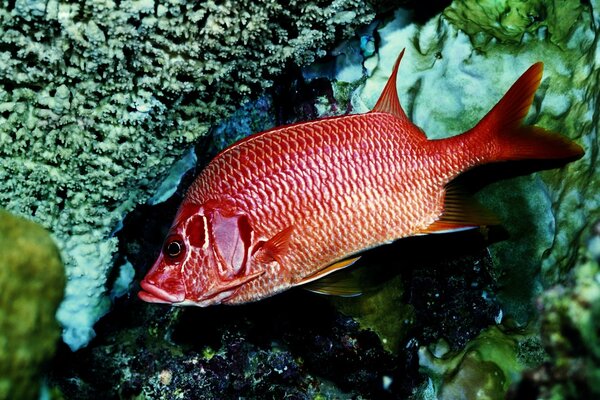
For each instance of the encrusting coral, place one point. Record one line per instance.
(99, 99)
(32, 280)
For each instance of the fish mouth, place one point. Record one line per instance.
(153, 294)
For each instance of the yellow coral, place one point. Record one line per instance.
(32, 282)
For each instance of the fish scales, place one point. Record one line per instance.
(286, 206)
(367, 186)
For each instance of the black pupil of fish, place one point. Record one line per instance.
(174, 248)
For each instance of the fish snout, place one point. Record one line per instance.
(152, 293)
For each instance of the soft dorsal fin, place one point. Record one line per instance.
(461, 212)
(388, 101)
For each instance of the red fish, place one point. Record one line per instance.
(288, 206)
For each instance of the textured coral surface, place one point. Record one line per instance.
(98, 99)
(32, 280)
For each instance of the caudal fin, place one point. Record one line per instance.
(502, 133)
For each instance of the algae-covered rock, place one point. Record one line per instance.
(32, 282)
(484, 369)
(570, 325)
(99, 98)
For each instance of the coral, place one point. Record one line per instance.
(297, 347)
(99, 99)
(32, 280)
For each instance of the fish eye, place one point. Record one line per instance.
(174, 248)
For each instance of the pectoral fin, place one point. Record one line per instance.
(276, 247)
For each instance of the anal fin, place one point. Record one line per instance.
(461, 212)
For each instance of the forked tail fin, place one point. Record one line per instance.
(500, 136)
(501, 131)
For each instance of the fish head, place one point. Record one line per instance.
(205, 258)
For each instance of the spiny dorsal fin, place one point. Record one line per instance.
(328, 270)
(461, 212)
(388, 101)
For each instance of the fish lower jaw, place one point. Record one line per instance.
(154, 294)
(220, 298)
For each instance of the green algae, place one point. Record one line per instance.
(382, 311)
(570, 325)
(509, 20)
(32, 282)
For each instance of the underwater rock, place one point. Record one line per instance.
(296, 347)
(570, 322)
(484, 369)
(99, 99)
(448, 294)
(32, 280)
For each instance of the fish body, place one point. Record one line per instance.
(287, 206)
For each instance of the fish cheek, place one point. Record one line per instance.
(196, 276)
(232, 239)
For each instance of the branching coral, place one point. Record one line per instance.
(99, 98)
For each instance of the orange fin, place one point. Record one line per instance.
(328, 270)
(461, 212)
(388, 101)
(274, 248)
(508, 139)
(340, 284)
